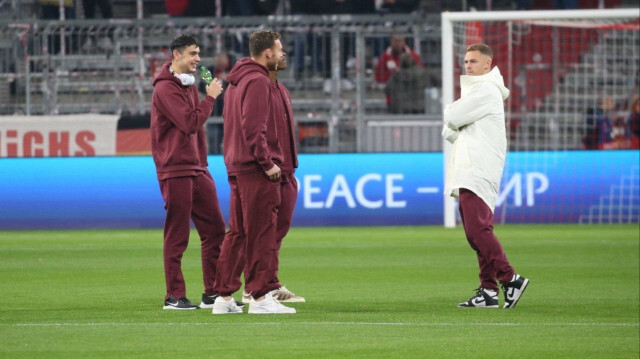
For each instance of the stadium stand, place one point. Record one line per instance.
(336, 101)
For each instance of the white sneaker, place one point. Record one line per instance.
(284, 295)
(221, 306)
(247, 298)
(269, 305)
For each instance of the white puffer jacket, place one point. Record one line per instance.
(475, 124)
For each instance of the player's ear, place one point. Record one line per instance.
(268, 54)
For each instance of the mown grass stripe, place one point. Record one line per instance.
(323, 323)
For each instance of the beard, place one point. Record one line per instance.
(273, 65)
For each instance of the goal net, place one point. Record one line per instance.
(573, 77)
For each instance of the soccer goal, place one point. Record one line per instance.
(566, 69)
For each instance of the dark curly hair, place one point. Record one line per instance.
(183, 41)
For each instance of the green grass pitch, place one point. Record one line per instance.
(375, 292)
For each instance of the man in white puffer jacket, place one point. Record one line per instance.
(475, 125)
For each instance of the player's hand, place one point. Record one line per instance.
(273, 173)
(450, 135)
(214, 89)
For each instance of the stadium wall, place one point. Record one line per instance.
(338, 189)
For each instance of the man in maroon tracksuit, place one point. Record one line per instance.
(282, 112)
(254, 158)
(178, 145)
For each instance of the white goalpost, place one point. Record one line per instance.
(558, 64)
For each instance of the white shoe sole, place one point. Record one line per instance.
(281, 310)
(254, 312)
(292, 300)
(210, 306)
(171, 307)
(222, 313)
(487, 307)
(224, 310)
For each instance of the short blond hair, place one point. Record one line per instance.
(482, 48)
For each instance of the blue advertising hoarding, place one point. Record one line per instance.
(336, 189)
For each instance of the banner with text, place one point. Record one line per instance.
(58, 136)
(337, 189)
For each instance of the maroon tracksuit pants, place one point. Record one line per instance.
(191, 198)
(288, 198)
(477, 219)
(260, 217)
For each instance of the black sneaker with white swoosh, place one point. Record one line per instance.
(513, 290)
(484, 298)
(179, 304)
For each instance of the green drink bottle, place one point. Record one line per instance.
(206, 75)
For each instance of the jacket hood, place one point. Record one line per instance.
(243, 68)
(492, 76)
(165, 75)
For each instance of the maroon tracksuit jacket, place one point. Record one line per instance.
(250, 141)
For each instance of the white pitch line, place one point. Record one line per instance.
(328, 323)
(428, 190)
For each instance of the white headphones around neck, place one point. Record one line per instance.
(186, 79)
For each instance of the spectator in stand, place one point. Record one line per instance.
(176, 7)
(389, 60)
(191, 8)
(599, 126)
(401, 7)
(406, 87)
(633, 121)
